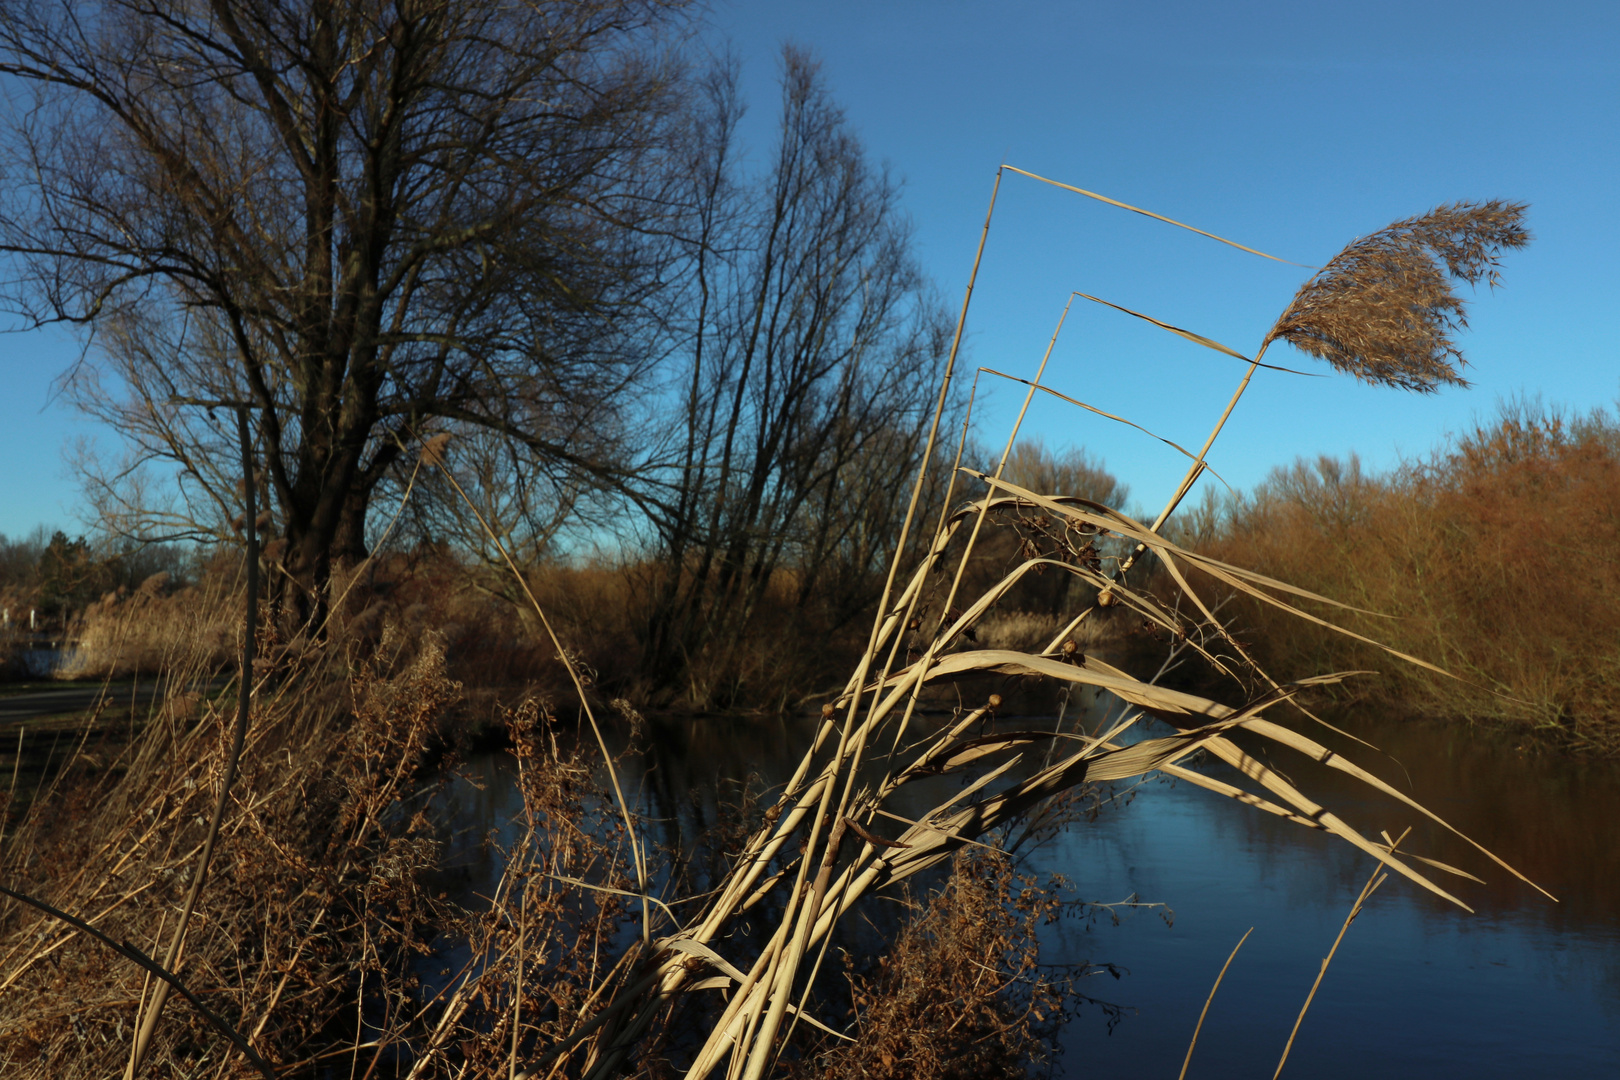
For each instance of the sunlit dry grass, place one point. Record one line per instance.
(153, 628)
(835, 811)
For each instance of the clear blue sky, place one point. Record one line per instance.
(1290, 127)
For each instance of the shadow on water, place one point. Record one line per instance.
(1523, 987)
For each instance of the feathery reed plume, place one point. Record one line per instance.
(433, 448)
(1384, 310)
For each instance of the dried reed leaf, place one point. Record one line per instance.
(1111, 520)
(1384, 310)
(1145, 213)
(1315, 750)
(1196, 339)
(870, 837)
(1258, 771)
(1237, 794)
(1106, 415)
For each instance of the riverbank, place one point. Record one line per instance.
(1496, 559)
(324, 933)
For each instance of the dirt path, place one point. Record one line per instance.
(70, 699)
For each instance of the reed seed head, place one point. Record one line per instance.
(433, 449)
(1384, 309)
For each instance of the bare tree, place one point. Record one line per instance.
(359, 218)
(809, 347)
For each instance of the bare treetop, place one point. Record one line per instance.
(355, 217)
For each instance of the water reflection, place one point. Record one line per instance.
(1524, 987)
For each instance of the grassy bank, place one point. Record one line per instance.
(1496, 558)
(323, 939)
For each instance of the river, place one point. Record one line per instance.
(1522, 987)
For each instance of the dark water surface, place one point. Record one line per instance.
(1524, 987)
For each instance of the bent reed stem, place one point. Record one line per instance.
(244, 702)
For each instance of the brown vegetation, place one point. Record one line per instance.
(598, 955)
(1384, 309)
(961, 993)
(1497, 559)
(312, 907)
(321, 938)
(152, 628)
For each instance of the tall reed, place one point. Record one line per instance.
(585, 961)
(833, 835)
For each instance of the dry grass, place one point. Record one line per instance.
(311, 893)
(132, 631)
(961, 993)
(835, 810)
(597, 958)
(317, 926)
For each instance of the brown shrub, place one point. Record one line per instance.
(1497, 559)
(961, 993)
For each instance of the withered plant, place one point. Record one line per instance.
(961, 993)
(314, 936)
(312, 912)
(835, 833)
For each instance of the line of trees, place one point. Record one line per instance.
(529, 225)
(54, 575)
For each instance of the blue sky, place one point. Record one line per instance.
(1292, 128)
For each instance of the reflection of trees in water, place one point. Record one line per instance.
(1536, 811)
(702, 785)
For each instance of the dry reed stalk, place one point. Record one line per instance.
(1204, 1012)
(436, 446)
(949, 828)
(1376, 879)
(149, 1020)
(850, 858)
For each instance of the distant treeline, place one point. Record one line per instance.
(1496, 558)
(54, 577)
(799, 626)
